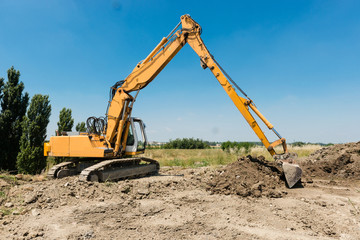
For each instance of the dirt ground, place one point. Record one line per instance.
(243, 200)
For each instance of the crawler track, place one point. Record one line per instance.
(119, 168)
(54, 171)
(107, 170)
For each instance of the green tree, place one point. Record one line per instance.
(66, 122)
(13, 108)
(80, 127)
(186, 143)
(237, 146)
(31, 157)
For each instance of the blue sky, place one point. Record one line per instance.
(298, 60)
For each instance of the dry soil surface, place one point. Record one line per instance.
(244, 200)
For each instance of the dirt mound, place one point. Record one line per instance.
(249, 176)
(340, 160)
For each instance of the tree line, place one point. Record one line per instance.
(23, 124)
(237, 146)
(186, 143)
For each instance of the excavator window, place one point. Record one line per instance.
(130, 140)
(139, 136)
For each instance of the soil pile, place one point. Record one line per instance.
(249, 176)
(340, 160)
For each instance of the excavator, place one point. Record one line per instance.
(108, 149)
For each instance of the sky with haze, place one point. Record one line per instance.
(298, 60)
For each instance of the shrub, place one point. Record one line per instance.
(298, 144)
(186, 143)
(237, 146)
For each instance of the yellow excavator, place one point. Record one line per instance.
(108, 149)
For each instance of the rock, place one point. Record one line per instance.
(274, 194)
(16, 212)
(30, 198)
(19, 176)
(257, 186)
(125, 189)
(35, 234)
(3, 183)
(256, 193)
(89, 235)
(66, 184)
(6, 222)
(35, 212)
(9, 204)
(143, 191)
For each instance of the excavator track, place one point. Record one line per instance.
(114, 169)
(70, 168)
(55, 171)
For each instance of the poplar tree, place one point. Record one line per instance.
(13, 104)
(66, 122)
(31, 157)
(80, 127)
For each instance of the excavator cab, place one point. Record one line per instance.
(136, 140)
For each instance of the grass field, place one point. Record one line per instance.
(302, 151)
(190, 157)
(209, 157)
(213, 157)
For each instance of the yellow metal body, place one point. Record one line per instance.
(119, 112)
(76, 146)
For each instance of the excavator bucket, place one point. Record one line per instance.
(291, 170)
(292, 173)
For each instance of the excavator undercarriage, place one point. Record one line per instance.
(106, 170)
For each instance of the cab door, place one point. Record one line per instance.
(136, 141)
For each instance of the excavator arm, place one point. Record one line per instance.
(121, 105)
(149, 68)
